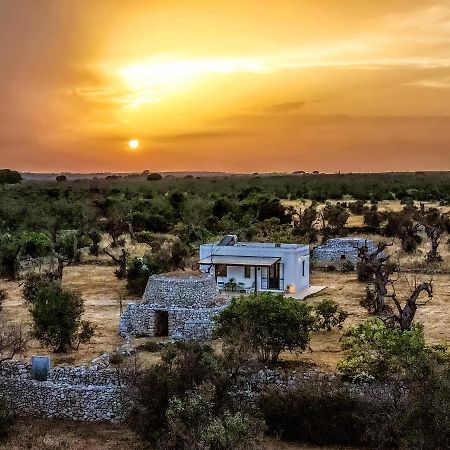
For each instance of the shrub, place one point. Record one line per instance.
(139, 269)
(347, 267)
(6, 420)
(269, 323)
(56, 313)
(329, 314)
(194, 423)
(33, 283)
(184, 366)
(317, 412)
(150, 346)
(154, 177)
(8, 176)
(384, 352)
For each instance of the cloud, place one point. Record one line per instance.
(287, 107)
(202, 135)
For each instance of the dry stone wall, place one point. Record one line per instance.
(335, 252)
(188, 291)
(76, 393)
(190, 300)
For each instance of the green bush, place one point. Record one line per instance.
(329, 315)
(57, 313)
(139, 269)
(384, 352)
(269, 323)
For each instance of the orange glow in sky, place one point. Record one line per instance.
(241, 86)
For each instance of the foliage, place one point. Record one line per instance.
(57, 313)
(8, 176)
(193, 423)
(269, 323)
(35, 244)
(140, 268)
(329, 314)
(154, 177)
(317, 412)
(6, 420)
(184, 366)
(385, 352)
(61, 178)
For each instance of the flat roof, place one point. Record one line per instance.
(235, 260)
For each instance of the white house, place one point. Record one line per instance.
(254, 266)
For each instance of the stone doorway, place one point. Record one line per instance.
(161, 323)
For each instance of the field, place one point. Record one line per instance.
(102, 292)
(66, 435)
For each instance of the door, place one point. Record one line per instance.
(162, 323)
(274, 276)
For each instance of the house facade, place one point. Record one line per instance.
(255, 266)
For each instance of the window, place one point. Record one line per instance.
(247, 270)
(303, 268)
(221, 270)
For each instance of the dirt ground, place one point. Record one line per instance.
(347, 291)
(36, 434)
(103, 294)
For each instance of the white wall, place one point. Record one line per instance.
(291, 256)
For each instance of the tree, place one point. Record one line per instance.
(140, 268)
(121, 260)
(57, 317)
(378, 270)
(333, 219)
(306, 223)
(61, 178)
(435, 224)
(405, 314)
(8, 176)
(380, 351)
(154, 177)
(269, 323)
(329, 314)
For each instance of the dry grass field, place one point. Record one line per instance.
(102, 291)
(35, 434)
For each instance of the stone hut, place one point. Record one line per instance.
(180, 305)
(335, 252)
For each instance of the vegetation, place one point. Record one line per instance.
(377, 350)
(57, 317)
(267, 323)
(329, 314)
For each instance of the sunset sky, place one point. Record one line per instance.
(240, 86)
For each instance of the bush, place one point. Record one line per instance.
(347, 267)
(329, 314)
(384, 352)
(150, 346)
(139, 269)
(56, 313)
(194, 423)
(154, 177)
(268, 323)
(184, 366)
(6, 420)
(8, 176)
(318, 412)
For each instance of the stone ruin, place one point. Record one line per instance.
(335, 252)
(180, 305)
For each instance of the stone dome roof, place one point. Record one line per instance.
(181, 289)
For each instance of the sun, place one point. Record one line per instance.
(133, 144)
